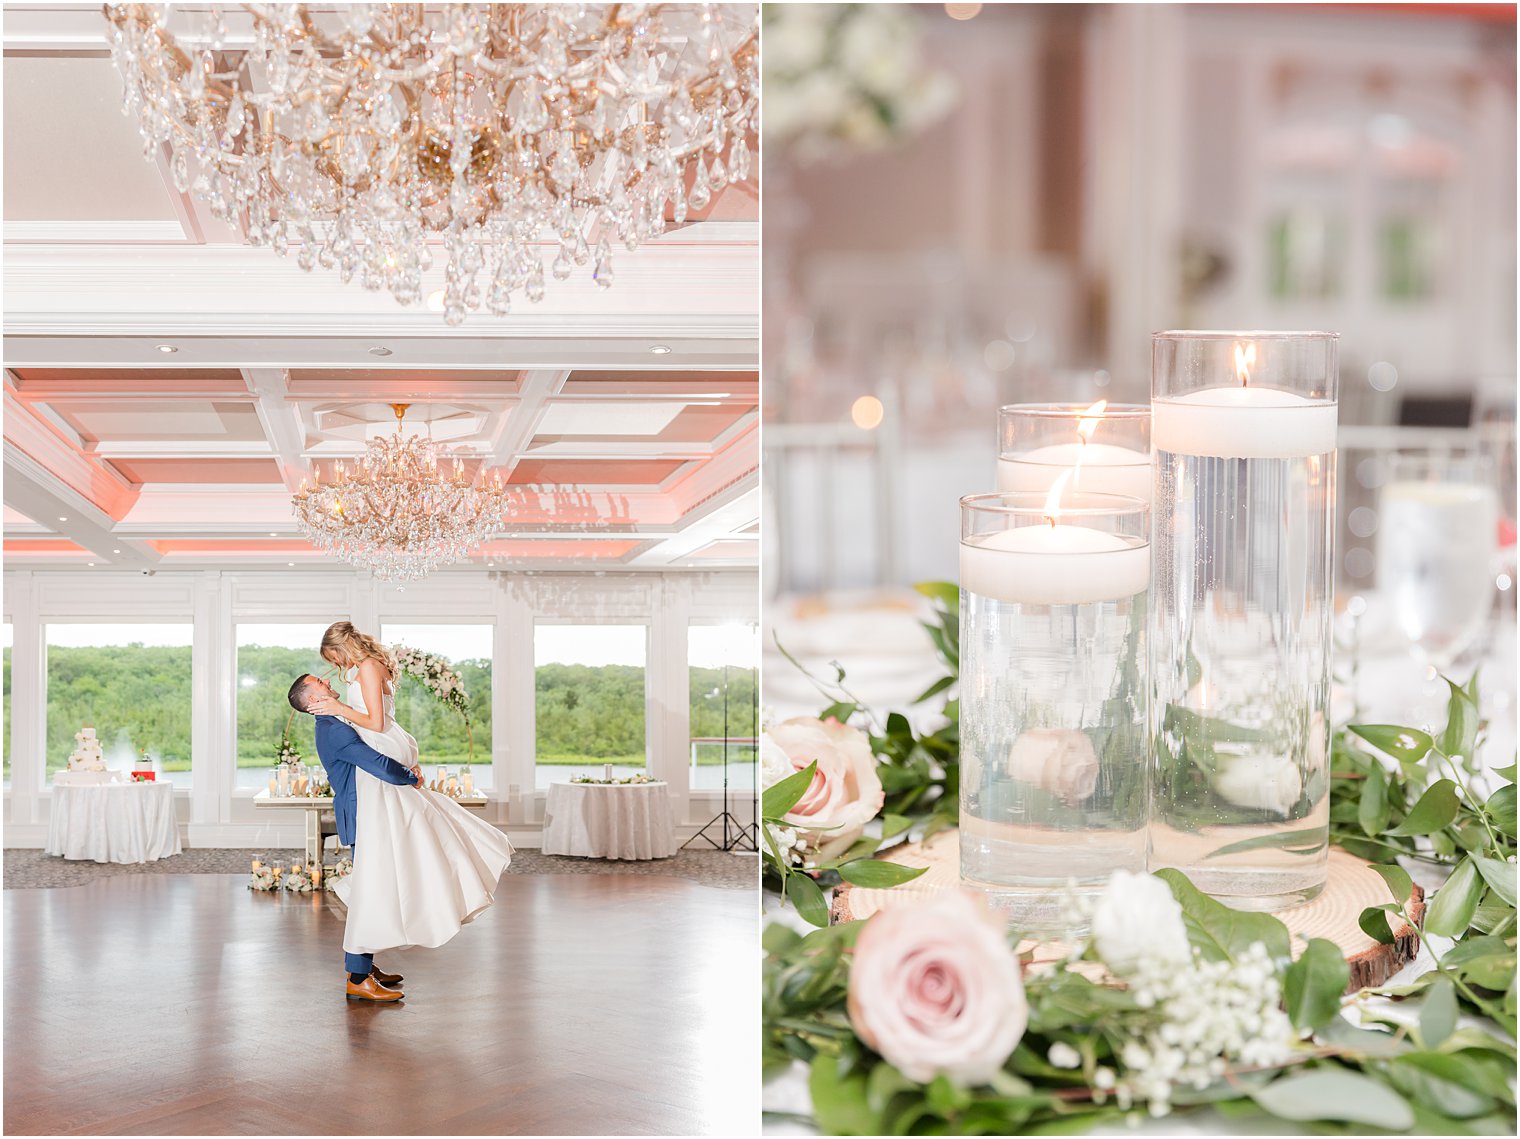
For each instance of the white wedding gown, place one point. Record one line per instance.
(423, 865)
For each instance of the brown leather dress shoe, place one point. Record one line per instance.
(371, 990)
(386, 978)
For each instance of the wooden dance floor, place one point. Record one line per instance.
(185, 1004)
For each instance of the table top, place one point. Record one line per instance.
(116, 786)
(624, 786)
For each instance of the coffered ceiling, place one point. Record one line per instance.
(167, 386)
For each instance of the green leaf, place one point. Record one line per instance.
(947, 593)
(1500, 876)
(1374, 922)
(1335, 1094)
(934, 689)
(894, 825)
(1372, 809)
(1399, 884)
(1438, 1013)
(841, 1103)
(1435, 810)
(1461, 724)
(1456, 901)
(1433, 1090)
(1501, 805)
(1306, 841)
(841, 711)
(1488, 962)
(878, 875)
(1506, 773)
(778, 940)
(1313, 985)
(1219, 932)
(1407, 745)
(782, 796)
(808, 899)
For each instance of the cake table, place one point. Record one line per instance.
(113, 822)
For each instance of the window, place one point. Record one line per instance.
(589, 706)
(5, 729)
(131, 683)
(442, 737)
(269, 658)
(721, 670)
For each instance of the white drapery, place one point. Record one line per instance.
(120, 822)
(616, 820)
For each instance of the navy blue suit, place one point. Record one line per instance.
(341, 750)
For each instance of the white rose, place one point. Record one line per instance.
(1259, 782)
(1136, 920)
(845, 793)
(1058, 760)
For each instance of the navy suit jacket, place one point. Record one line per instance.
(341, 750)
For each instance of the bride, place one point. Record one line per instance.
(426, 866)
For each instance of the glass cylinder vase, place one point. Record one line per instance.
(1243, 425)
(1108, 445)
(1052, 697)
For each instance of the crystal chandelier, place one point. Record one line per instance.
(356, 134)
(394, 514)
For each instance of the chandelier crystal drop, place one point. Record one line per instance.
(510, 134)
(394, 514)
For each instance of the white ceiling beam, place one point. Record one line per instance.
(39, 494)
(518, 427)
(719, 518)
(281, 422)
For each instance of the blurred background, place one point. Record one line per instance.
(969, 205)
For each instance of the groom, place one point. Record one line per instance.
(341, 750)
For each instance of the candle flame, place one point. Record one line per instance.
(1245, 360)
(1053, 499)
(1088, 421)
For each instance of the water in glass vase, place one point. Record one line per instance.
(1240, 644)
(1053, 771)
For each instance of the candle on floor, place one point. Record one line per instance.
(256, 865)
(469, 782)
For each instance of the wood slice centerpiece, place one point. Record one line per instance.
(1351, 887)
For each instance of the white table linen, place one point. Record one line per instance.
(114, 822)
(609, 820)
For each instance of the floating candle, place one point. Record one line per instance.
(1243, 422)
(1054, 565)
(1104, 469)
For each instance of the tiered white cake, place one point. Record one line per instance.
(87, 764)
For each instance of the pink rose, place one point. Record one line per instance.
(936, 989)
(845, 793)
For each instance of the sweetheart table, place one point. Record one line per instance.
(113, 822)
(319, 815)
(609, 820)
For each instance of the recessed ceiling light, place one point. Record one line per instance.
(166, 349)
(61, 518)
(90, 564)
(379, 351)
(292, 564)
(115, 551)
(435, 300)
(660, 349)
(272, 534)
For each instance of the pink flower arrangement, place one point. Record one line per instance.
(846, 792)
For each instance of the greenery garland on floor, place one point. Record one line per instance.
(1173, 1001)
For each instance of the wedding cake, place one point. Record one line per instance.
(86, 764)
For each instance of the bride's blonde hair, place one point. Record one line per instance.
(353, 646)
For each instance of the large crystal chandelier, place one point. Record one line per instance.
(394, 514)
(355, 134)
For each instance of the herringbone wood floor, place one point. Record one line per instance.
(184, 1004)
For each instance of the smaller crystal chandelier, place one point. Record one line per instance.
(395, 514)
